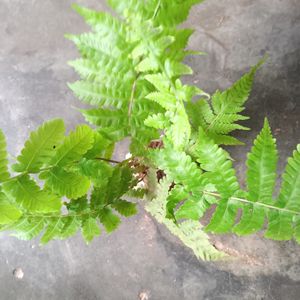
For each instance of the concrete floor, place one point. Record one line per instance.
(142, 256)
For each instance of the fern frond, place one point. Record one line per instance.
(90, 229)
(71, 226)
(64, 183)
(108, 45)
(28, 228)
(8, 212)
(220, 118)
(97, 171)
(125, 208)
(109, 220)
(257, 203)
(281, 223)
(180, 168)
(53, 230)
(100, 21)
(101, 95)
(41, 146)
(106, 117)
(261, 177)
(26, 193)
(74, 146)
(189, 232)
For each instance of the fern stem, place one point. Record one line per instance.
(156, 11)
(294, 212)
(108, 160)
(133, 90)
(91, 212)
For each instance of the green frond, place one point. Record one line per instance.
(101, 95)
(71, 225)
(179, 167)
(8, 212)
(98, 171)
(119, 183)
(41, 146)
(104, 69)
(108, 45)
(27, 194)
(100, 21)
(74, 146)
(125, 208)
(176, 69)
(64, 183)
(220, 173)
(109, 220)
(100, 146)
(281, 225)
(219, 117)
(53, 230)
(261, 177)
(90, 229)
(4, 175)
(189, 232)
(28, 228)
(106, 117)
(215, 162)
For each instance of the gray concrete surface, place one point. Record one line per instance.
(142, 256)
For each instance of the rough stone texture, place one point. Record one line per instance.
(142, 256)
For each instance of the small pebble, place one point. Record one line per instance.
(144, 296)
(18, 273)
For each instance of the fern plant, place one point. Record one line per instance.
(131, 70)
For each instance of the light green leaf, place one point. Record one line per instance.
(125, 208)
(74, 146)
(261, 177)
(28, 228)
(64, 183)
(110, 221)
(41, 146)
(54, 229)
(29, 196)
(8, 212)
(90, 229)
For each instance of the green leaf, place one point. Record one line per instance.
(40, 147)
(215, 161)
(189, 232)
(109, 220)
(98, 171)
(125, 208)
(106, 117)
(280, 225)
(261, 177)
(28, 228)
(119, 183)
(95, 94)
(29, 196)
(54, 228)
(8, 212)
(64, 183)
(175, 69)
(74, 146)
(90, 229)
(70, 227)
